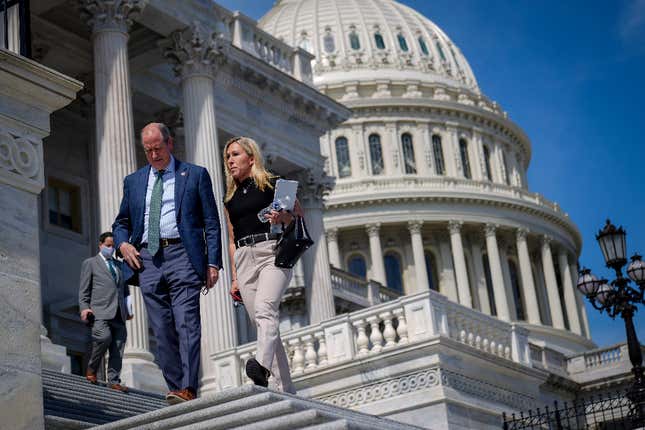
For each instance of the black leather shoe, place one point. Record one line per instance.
(257, 373)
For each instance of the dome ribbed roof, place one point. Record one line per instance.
(368, 37)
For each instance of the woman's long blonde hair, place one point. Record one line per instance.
(260, 175)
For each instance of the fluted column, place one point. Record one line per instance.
(332, 244)
(480, 276)
(196, 53)
(582, 310)
(528, 283)
(461, 271)
(497, 276)
(569, 292)
(420, 269)
(115, 144)
(555, 305)
(320, 295)
(376, 253)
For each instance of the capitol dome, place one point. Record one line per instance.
(363, 39)
(431, 186)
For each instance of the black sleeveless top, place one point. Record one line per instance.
(244, 206)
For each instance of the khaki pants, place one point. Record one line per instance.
(261, 285)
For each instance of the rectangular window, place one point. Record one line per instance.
(64, 201)
(438, 155)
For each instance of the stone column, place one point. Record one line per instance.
(555, 306)
(448, 284)
(528, 284)
(196, 53)
(569, 292)
(420, 269)
(461, 271)
(501, 301)
(29, 94)
(580, 301)
(376, 253)
(320, 295)
(480, 276)
(115, 143)
(332, 243)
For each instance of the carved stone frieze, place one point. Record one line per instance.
(423, 380)
(114, 15)
(21, 160)
(195, 51)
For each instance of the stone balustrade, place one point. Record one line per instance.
(599, 359)
(359, 290)
(383, 328)
(250, 38)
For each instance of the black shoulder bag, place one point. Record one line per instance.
(295, 240)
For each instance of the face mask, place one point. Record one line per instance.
(107, 251)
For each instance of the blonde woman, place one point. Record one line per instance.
(249, 189)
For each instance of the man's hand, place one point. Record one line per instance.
(85, 314)
(130, 255)
(130, 316)
(211, 277)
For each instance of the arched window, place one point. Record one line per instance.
(357, 266)
(507, 177)
(432, 270)
(402, 42)
(465, 161)
(354, 41)
(393, 271)
(440, 49)
(342, 157)
(376, 154)
(408, 153)
(489, 172)
(489, 285)
(437, 150)
(378, 39)
(423, 46)
(328, 42)
(517, 293)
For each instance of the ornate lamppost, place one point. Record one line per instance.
(619, 298)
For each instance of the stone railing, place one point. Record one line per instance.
(599, 359)
(383, 328)
(250, 38)
(359, 290)
(548, 359)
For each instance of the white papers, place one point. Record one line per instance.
(128, 305)
(285, 194)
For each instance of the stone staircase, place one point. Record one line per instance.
(71, 403)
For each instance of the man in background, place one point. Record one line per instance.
(102, 304)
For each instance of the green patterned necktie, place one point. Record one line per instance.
(112, 271)
(154, 217)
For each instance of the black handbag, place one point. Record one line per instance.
(295, 240)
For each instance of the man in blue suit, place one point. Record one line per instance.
(168, 233)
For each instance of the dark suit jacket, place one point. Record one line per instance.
(195, 209)
(99, 292)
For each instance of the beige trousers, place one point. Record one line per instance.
(262, 285)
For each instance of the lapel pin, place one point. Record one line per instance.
(183, 173)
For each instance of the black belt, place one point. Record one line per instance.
(252, 239)
(164, 242)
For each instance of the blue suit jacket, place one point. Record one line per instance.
(195, 208)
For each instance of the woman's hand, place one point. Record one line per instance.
(281, 217)
(235, 291)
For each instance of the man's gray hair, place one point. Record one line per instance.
(163, 129)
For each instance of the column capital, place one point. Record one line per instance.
(546, 240)
(522, 233)
(454, 227)
(195, 51)
(373, 229)
(415, 227)
(106, 15)
(332, 235)
(490, 229)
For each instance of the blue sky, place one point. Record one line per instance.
(572, 75)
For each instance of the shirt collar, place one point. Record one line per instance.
(170, 168)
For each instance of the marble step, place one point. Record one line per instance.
(254, 408)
